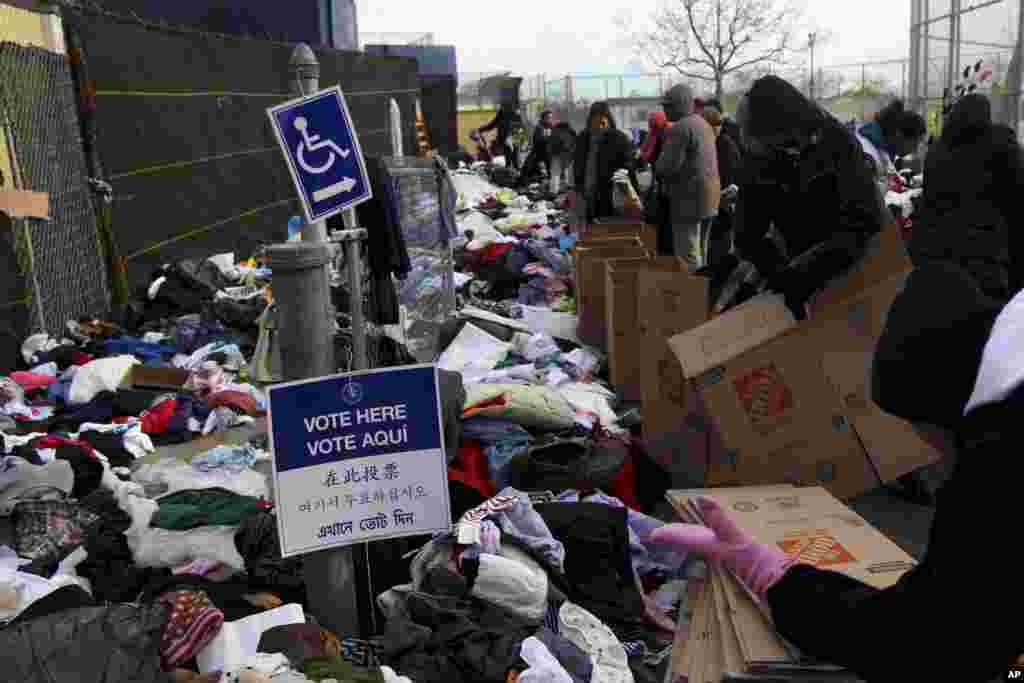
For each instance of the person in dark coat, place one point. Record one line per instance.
(971, 210)
(601, 150)
(804, 175)
(506, 122)
(944, 619)
(540, 152)
(562, 147)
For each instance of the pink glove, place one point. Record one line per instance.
(757, 565)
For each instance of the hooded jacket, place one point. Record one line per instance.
(822, 199)
(688, 165)
(615, 152)
(896, 633)
(970, 213)
(657, 124)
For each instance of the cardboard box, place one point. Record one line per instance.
(612, 241)
(886, 257)
(847, 339)
(625, 335)
(778, 418)
(648, 234)
(675, 424)
(590, 284)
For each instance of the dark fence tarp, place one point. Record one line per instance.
(184, 138)
(440, 111)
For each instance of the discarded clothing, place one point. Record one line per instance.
(115, 644)
(611, 665)
(321, 668)
(230, 458)
(208, 507)
(574, 660)
(647, 557)
(446, 639)
(531, 406)
(502, 440)
(170, 475)
(598, 564)
(512, 511)
(18, 477)
(193, 623)
(106, 374)
(518, 586)
(544, 668)
(160, 548)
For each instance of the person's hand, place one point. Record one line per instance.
(757, 565)
(790, 285)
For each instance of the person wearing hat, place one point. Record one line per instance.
(949, 361)
(805, 177)
(687, 174)
(656, 203)
(971, 212)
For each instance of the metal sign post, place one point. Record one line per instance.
(326, 163)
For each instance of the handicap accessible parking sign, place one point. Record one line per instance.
(357, 458)
(323, 154)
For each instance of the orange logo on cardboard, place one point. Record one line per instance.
(818, 549)
(764, 396)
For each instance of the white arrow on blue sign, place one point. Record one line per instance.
(319, 142)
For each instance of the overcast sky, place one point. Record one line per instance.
(579, 36)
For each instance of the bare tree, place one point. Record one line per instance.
(711, 40)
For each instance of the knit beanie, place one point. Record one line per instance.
(928, 355)
(775, 106)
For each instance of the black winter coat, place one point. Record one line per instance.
(971, 210)
(730, 161)
(824, 203)
(899, 634)
(119, 644)
(615, 152)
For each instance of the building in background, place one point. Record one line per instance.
(438, 84)
(321, 23)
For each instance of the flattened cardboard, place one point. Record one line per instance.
(590, 283)
(625, 334)
(675, 423)
(812, 523)
(729, 335)
(847, 338)
(886, 256)
(732, 654)
(779, 419)
(24, 204)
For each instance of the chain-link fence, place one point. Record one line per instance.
(948, 36)
(61, 270)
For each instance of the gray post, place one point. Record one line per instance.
(302, 288)
(306, 81)
(307, 350)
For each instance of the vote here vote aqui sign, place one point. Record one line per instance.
(320, 144)
(357, 458)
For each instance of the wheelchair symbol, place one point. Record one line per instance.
(312, 143)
